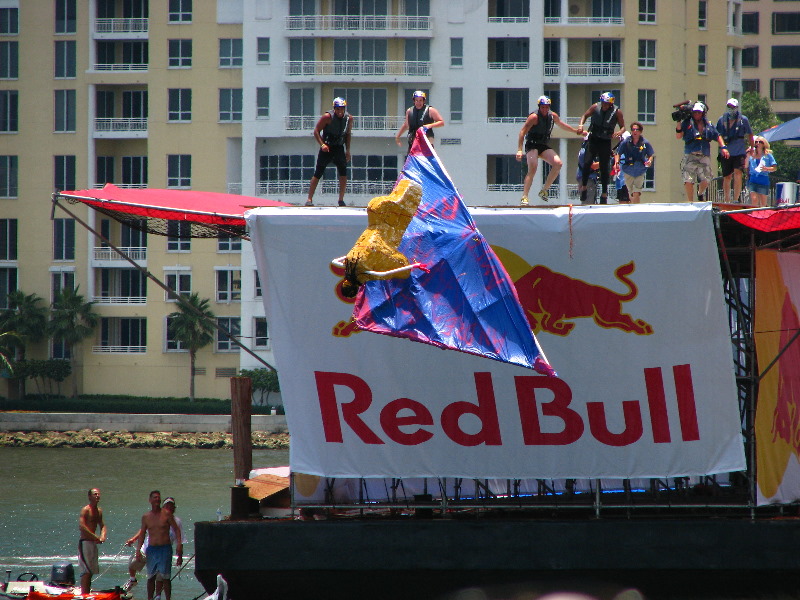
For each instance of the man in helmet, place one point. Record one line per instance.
(333, 136)
(421, 114)
(697, 133)
(735, 130)
(536, 135)
(603, 118)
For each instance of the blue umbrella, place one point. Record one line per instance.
(785, 131)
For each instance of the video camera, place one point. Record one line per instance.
(683, 110)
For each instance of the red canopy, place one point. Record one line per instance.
(777, 219)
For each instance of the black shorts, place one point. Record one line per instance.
(729, 164)
(335, 155)
(538, 147)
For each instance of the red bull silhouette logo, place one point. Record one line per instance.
(552, 300)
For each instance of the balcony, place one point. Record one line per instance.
(592, 21)
(120, 128)
(578, 71)
(361, 123)
(104, 253)
(509, 65)
(507, 20)
(105, 300)
(130, 186)
(372, 68)
(119, 349)
(355, 23)
(294, 186)
(506, 120)
(120, 67)
(117, 27)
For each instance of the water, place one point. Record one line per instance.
(43, 489)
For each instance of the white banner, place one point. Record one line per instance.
(627, 305)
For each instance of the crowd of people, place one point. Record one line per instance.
(609, 151)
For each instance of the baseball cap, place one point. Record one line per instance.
(699, 106)
(418, 94)
(733, 103)
(339, 102)
(607, 97)
(543, 100)
(169, 500)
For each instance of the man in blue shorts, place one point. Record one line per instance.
(156, 525)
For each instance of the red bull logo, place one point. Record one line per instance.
(552, 300)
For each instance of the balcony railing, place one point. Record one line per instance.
(294, 186)
(121, 25)
(509, 65)
(585, 69)
(235, 188)
(509, 19)
(357, 23)
(495, 120)
(130, 186)
(410, 68)
(361, 123)
(134, 252)
(120, 299)
(104, 124)
(584, 21)
(119, 349)
(120, 67)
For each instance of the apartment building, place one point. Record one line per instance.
(223, 95)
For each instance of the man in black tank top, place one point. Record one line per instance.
(419, 115)
(603, 119)
(333, 136)
(536, 135)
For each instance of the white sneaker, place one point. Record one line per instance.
(129, 584)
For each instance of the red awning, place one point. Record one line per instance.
(772, 219)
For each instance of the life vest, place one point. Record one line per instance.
(333, 133)
(540, 133)
(633, 152)
(602, 123)
(695, 133)
(418, 118)
(729, 132)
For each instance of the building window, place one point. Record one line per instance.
(64, 111)
(647, 54)
(258, 292)
(646, 112)
(134, 171)
(63, 239)
(8, 284)
(508, 103)
(65, 59)
(233, 325)
(702, 14)
(179, 170)
(373, 168)
(180, 104)
(9, 111)
(370, 104)
(229, 243)
(647, 11)
(172, 344)
(750, 23)
(229, 285)
(179, 236)
(230, 105)
(701, 59)
(262, 50)
(60, 280)
(9, 60)
(230, 53)
(785, 57)
(456, 105)
(135, 53)
(66, 16)
(64, 173)
(180, 282)
(262, 103)
(9, 21)
(180, 11)
(180, 54)
(785, 23)
(8, 176)
(650, 179)
(509, 11)
(503, 172)
(416, 50)
(261, 333)
(514, 53)
(751, 85)
(456, 52)
(750, 56)
(785, 89)
(104, 170)
(8, 239)
(124, 335)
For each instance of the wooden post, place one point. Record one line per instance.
(241, 398)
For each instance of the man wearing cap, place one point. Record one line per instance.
(419, 115)
(333, 136)
(603, 118)
(697, 133)
(737, 134)
(535, 133)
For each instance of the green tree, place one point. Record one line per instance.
(71, 321)
(5, 338)
(761, 116)
(265, 381)
(27, 318)
(193, 325)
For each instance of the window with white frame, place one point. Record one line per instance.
(9, 21)
(134, 170)
(260, 333)
(65, 59)
(229, 285)
(257, 288)
(649, 178)
(179, 170)
(367, 103)
(8, 176)
(9, 60)
(179, 236)
(8, 284)
(60, 280)
(233, 325)
(63, 239)
(171, 343)
(66, 16)
(179, 104)
(262, 103)
(9, 111)
(456, 52)
(8, 239)
(702, 64)
(647, 54)
(179, 281)
(785, 89)
(64, 172)
(646, 107)
(180, 11)
(750, 57)
(230, 105)
(262, 50)
(65, 111)
(456, 105)
(647, 11)
(702, 14)
(230, 53)
(229, 243)
(180, 54)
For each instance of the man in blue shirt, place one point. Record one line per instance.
(697, 134)
(735, 130)
(634, 156)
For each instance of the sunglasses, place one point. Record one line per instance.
(635, 129)
(760, 142)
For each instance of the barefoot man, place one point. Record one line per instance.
(91, 517)
(157, 524)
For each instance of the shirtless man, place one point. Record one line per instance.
(157, 524)
(91, 517)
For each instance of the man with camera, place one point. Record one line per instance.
(734, 128)
(697, 134)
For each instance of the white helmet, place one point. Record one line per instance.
(337, 102)
(543, 100)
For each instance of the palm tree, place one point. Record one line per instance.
(28, 320)
(193, 325)
(71, 321)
